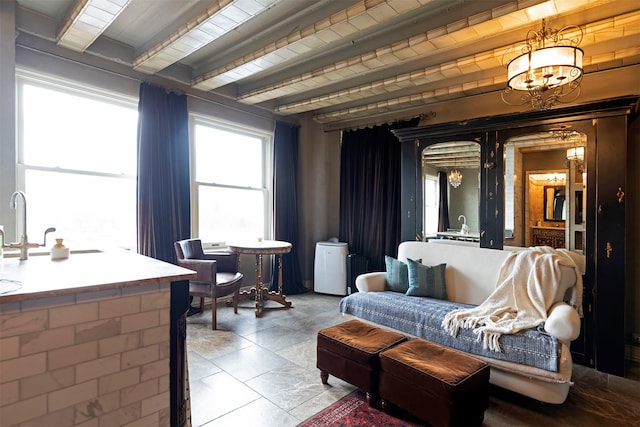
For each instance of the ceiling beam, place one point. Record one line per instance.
(216, 20)
(86, 21)
(360, 16)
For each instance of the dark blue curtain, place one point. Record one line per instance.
(285, 171)
(443, 202)
(164, 211)
(370, 192)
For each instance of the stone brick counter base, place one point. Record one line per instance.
(439, 385)
(94, 358)
(350, 350)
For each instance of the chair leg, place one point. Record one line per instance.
(236, 297)
(201, 304)
(214, 317)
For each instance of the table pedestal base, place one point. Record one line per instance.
(264, 295)
(259, 293)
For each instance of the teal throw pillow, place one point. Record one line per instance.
(426, 281)
(397, 275)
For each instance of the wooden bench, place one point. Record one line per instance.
(350, 351)
(439, 385)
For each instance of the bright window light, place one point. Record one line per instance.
(430, 205)
(232, 197)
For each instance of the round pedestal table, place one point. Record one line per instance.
(259, 248)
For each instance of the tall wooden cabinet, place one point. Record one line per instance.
(606, 248)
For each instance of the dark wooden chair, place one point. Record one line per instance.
(218, 274)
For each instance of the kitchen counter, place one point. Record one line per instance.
(88, 340)
(89, 270)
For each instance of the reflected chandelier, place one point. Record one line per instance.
(455, 178)
(548, 71)
(575, 153)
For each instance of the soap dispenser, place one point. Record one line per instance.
(59, 251)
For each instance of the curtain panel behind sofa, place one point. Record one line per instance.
(163, 208)
(370, 192)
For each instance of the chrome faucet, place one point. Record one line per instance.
(23, 244)
(13, 204)
(465, 227)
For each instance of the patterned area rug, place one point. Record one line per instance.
(354, 411)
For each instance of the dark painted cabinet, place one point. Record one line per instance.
(606, 126)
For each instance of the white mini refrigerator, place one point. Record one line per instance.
(330, 269)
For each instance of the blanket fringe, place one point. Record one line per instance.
(452, 323)
(490, 340)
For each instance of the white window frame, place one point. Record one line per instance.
(433, 179)
(77, 89)
(267, 173)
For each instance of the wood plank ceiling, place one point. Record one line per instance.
(338, 60)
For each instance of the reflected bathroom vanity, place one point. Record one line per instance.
(548, 236)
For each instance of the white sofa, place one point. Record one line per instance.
(471, 276)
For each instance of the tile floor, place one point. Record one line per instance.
(261, 372)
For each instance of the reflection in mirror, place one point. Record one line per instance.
(555, 208)
(552, 216)
(451, 191)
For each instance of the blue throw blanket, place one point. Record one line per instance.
(422, 317)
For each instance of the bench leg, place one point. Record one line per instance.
(371, 400)
(324, 377)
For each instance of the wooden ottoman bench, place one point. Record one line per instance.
(350, 350)
(437, 384)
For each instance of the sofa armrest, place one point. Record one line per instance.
(563, 322)
(371, 282)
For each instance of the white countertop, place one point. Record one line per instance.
(457, 234)
(39, 276)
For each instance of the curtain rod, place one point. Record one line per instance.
(430, 114)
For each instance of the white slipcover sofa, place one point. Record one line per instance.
(471, 276)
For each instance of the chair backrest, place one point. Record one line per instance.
(189, 249)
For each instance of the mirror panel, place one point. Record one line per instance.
(544, 190)
(460, 217)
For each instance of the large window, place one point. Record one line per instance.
(231, 191)
(77, 163)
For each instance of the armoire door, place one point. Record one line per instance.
(610, 251)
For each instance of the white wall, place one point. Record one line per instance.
(318, 190)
